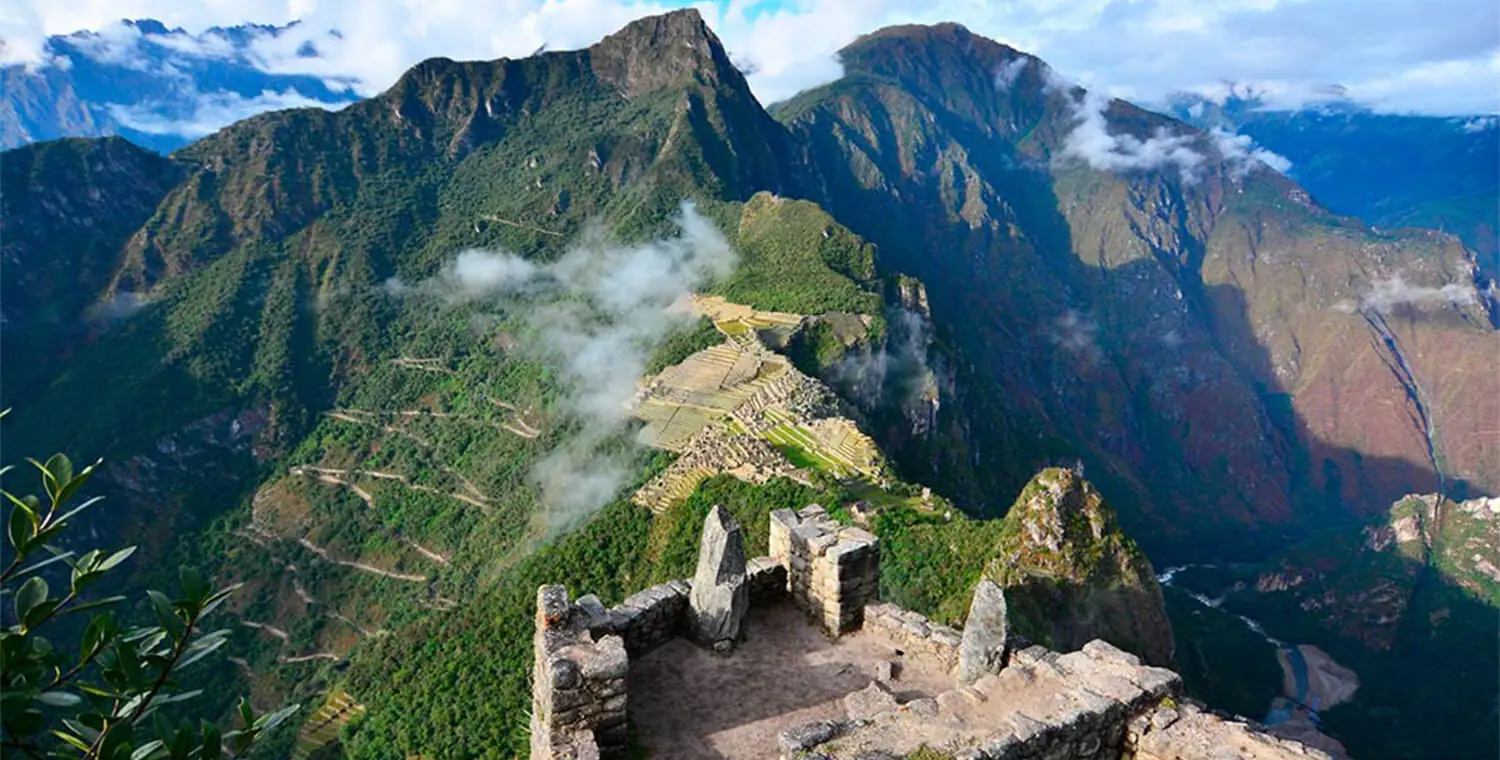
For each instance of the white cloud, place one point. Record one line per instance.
(1395, 54)
(598, 313)
(1006, 75)
(1479, 124)
(208, 45)
(1092, 142)
(1243, 155)
(211, 111)
(1076, 333)
(1386, 295)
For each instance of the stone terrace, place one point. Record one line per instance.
(819, 669)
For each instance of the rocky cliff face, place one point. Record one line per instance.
(1071, 575)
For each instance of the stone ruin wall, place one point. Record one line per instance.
(833, 571)
(914, 634)
(578, 696)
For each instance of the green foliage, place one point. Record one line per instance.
(815, 348)
(929, 562)
(105, 702)
(796, 258)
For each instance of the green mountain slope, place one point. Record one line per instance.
(376, 361)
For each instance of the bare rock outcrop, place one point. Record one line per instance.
(983, 648)
(719, 596)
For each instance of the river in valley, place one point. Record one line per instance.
(1311, 680)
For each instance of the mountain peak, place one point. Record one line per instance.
(1071, 574)
(901, 51)
(663, 51)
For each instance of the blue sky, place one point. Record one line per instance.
(1437, 56)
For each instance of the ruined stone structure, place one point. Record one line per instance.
(578, 697)
(976, 694)
(834, 570)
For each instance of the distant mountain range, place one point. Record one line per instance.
(159, 88)
(1389, 170)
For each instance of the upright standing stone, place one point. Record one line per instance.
(719, 597)
(983, 647)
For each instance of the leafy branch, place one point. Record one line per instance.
(105, 703)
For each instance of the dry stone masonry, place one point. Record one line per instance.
(914, 634)
(1007, 701)
(578, 692)
(833, 571)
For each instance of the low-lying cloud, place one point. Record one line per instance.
(209, 111)
(1243, 155)
(896, 370)
(1387, 295)
(1007, 74)
(596, 315)
(1077, 334)
(122, 305)
(1093, 143)
(1189, 153)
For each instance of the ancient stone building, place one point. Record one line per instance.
(822, 669)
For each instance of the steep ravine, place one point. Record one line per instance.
(1407, 377)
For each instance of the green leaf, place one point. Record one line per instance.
(71, 739)
(168, 699)
(213, 743)
(76, 482)
(69, 515)
(32, 593)
(41, 537)
(98, 633)
(21, 527)
(165, 614)
(199, 652)
(39, 613)
(112, 560)
(85, 732)
(33, 568)
(182, 742)
(59, 698)
(94, 604)
(270, 721)
(148, 749)
(193, 586)
(57, 473)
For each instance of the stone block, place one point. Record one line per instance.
(1100, 649)
(807, 736)
(944, 636)
(923, 706)
(719, 595)
(869, 701)
(605, 660)
(552, 605)
(918, 630)
(887, 670)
